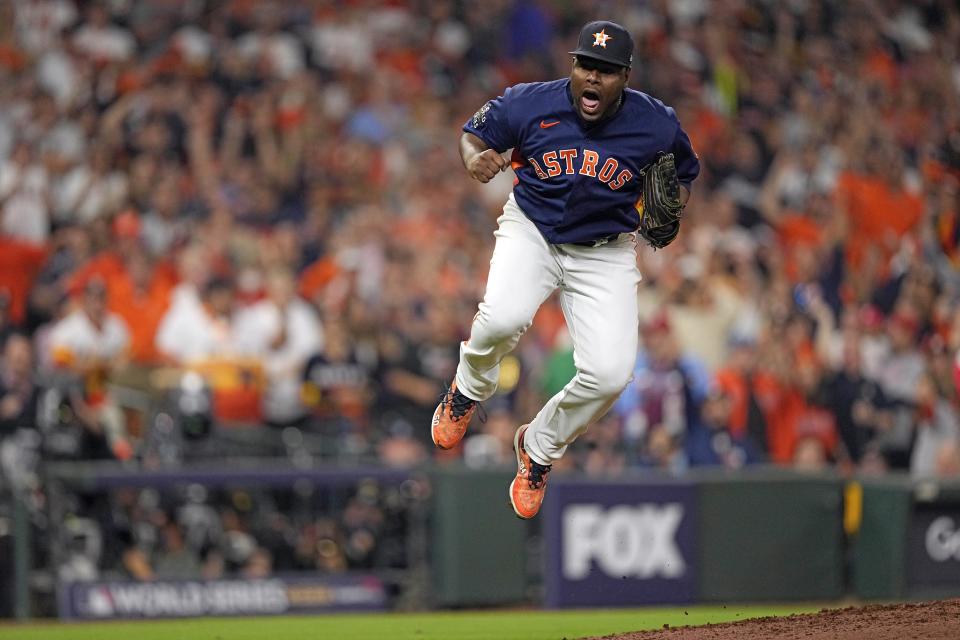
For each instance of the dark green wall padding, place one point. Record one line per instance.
(479, 545)
(776, 538)
(769, 535)
(879, 546)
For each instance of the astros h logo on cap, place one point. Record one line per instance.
(600, 38)
(606, 41)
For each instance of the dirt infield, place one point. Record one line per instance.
(921, 621)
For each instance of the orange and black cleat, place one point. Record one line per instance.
(452, 417)
(527, 489)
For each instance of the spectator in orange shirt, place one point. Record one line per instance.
(110, 266)
(19, 264)
(142, 299)
(812, 427)
(137, 290)
(796, 203)
(741, 383)
(877, 204)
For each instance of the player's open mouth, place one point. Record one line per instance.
(590, 102)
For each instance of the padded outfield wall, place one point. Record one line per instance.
(643, 539)
(763, 535)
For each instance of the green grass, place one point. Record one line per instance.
(494, 625)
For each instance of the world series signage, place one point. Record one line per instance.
(619, 543)
(194, 598)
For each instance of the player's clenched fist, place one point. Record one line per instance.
(480, 161)
(485, 165)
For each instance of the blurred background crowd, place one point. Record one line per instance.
(241, 227)
(199, 533)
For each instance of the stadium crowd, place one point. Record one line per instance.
(256, 210)
(196, 532)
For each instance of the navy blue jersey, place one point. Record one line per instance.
(580, 182)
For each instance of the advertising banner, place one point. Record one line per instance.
(178, 599)
(619, 543)
(933, 548)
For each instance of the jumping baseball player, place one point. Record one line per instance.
(596, 163)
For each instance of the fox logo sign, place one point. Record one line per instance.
(636, 541)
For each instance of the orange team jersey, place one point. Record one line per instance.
(876, 211)
(106, 265)
(794, 232)
(110, 267)
(769, 396)
(789, 418)
(815, 422)
(734, 386)
(880, 66)
(143, 313)
(317, 276)
(19, 264)
(777, 405)
(948, 236)
(11, 57)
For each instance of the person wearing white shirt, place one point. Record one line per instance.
(196, 328)
(24, 210)
(101, 40)
(39, 23)
(283, 331)
(89, 344)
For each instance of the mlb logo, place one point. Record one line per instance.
(99, 602)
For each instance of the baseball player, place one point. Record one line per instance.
(596, 163)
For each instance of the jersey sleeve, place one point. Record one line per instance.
(688, 164)
(491, 123)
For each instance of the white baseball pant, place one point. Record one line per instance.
(598, 295)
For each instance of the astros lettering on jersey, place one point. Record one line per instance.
(579, 182)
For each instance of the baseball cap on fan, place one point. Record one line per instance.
(606, 41)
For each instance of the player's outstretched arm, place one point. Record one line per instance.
(480, 161)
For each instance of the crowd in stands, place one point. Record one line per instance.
(199, 533)
(257, 209)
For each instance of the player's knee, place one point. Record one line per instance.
(607, 380)
(500, 326)
(612, 387)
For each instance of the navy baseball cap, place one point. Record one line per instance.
(606, 41)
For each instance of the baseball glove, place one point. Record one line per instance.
(660, 207)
